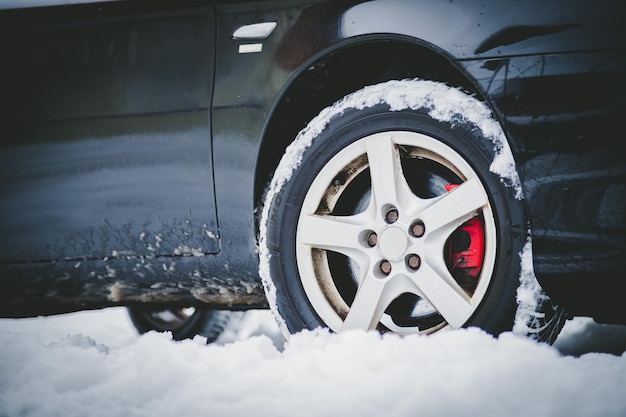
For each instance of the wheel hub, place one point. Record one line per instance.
(393, 243)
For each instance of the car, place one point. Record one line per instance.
(407, 167)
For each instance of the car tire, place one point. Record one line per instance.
(399, 209)
(182, 323)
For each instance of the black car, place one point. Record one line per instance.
(406, 166)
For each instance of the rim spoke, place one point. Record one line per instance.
(455, 207)
(339, 234)
(388, 182)
(440, 289)
(370, 302)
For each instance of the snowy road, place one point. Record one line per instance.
(92, 364)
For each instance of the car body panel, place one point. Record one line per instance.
(108, 147)
(149, 163)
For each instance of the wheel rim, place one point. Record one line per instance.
(374, 256)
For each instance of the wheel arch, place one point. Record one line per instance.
(334, 73)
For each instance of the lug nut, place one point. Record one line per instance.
(385, 267)
(392, 216)
(372, 239)
(418, 229)
(413, 261)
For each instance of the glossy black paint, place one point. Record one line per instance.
(137, 140)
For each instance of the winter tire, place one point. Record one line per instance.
(399, 209)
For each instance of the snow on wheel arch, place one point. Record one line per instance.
(445, 104)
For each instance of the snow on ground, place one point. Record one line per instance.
(91, 364)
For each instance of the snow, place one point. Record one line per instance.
(91, 364)
(529, 293)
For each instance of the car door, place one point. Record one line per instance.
(105, 135)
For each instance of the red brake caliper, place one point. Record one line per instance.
(465, 249)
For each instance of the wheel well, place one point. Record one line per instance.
(338, 74)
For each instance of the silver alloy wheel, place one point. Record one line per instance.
(395, 242)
